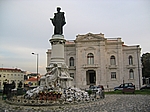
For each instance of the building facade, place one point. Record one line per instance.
(9, 75)
(95, 60)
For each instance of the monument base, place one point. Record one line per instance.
(57, 71)
(57, 43)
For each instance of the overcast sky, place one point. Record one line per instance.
(25, 26)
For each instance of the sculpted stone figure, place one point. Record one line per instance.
(58, 21)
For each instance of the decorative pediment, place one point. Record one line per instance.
(90, 36)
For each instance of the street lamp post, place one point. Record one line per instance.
(138, 67)
(37, 65)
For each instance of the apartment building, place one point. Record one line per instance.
(11, 74)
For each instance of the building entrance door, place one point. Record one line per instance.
(90, 77)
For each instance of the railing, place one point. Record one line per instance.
(131, 66)
(90, 66)
(72, 67)
(48, 102)
(113, 66)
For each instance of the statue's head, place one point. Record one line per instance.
(58, 9)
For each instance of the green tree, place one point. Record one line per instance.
(146, 65)
(13, 85)
(20, 84)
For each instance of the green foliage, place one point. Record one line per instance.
(146, 91)
(142, 92)
(13, 85)
(114, 92)
(20, 91)
(89, 92)
(145, 59)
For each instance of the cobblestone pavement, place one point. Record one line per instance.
(111, 103)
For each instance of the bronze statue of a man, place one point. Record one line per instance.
(58, 21)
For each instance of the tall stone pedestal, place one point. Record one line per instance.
(57, 54)
(57, 60)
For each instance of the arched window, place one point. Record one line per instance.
(71, 61)
(112, 60)
(90, 58)
(130, 60)
(131, 74)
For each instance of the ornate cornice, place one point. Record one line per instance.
(57, 41)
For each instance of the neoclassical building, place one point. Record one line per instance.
(93, 59)
(10, 75)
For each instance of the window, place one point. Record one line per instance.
(112, 60)
(71, 60)
(113, 75)
(90, 58)
(126, 85)
(130, 60)
(130, 84)
(121, 85)
(131, 74)
(72, 75)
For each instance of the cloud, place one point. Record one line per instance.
(25, 26)
(20, 56)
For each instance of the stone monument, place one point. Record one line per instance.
(57, 75)
(56, 84)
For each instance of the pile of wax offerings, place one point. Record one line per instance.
(33, 92)
(75, 94)
(70, 94)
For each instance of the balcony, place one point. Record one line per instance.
(112, 66)
(90, 66)
(130, 66)
(72, 67)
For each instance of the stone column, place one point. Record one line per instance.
(57, 55)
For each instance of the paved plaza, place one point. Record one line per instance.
(111, 103)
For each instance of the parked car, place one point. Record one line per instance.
(118, 87)
(145, 87)
(125, 86)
